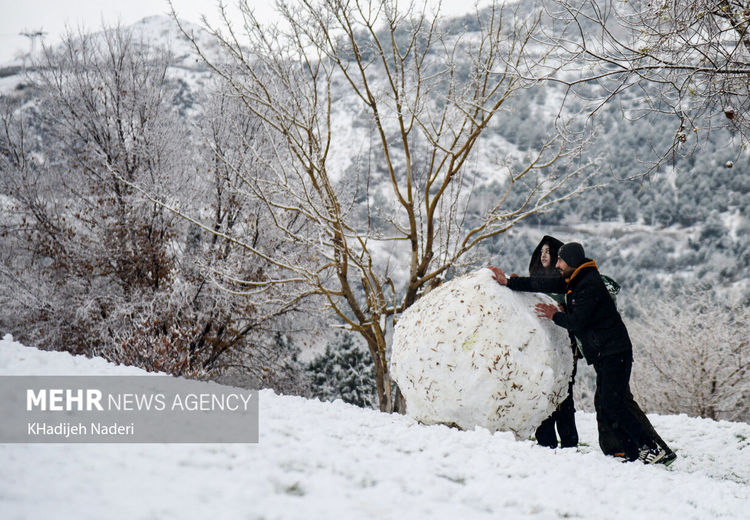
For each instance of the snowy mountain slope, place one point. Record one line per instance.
(657, 230)
(332, 460)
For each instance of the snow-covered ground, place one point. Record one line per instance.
(331, 460)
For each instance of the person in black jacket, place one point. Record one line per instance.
(542, 264)
(592, 316)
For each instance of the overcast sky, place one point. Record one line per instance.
(52, 16)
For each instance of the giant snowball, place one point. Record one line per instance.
(473, 353)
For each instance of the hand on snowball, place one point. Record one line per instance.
(546, 310)
(498, 275)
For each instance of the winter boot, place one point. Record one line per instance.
(651, 455)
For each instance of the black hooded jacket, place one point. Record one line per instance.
(537, 270)
(591, 314)
(535, 264)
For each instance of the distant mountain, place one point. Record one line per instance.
(686, 222)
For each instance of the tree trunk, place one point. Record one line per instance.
(389, 397)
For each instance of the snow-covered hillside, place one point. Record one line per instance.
(688, 222)
(322, 460)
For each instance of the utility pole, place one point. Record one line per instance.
(33, 36)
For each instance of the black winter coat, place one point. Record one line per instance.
(536, 269)
(590, 315)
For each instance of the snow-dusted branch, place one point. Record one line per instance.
(691, 58)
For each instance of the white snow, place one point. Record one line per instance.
(331, 460)
(733, 221)
(473, 353)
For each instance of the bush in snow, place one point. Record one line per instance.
(473, 353)
(692, 356)
(345, 371)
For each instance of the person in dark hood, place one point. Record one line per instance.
(542, 264)
(591, 315)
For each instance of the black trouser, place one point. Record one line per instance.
(565, 420)
(615, 407)
(612, 442)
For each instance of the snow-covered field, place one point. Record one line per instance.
(332, 460)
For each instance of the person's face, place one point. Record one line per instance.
(564, 268)
(546, 259)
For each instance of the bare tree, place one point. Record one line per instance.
(374, 114)
(686, 58)
(90, 266)
(91, 256)
(93, 267)
(693, 356)
(241, 315)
